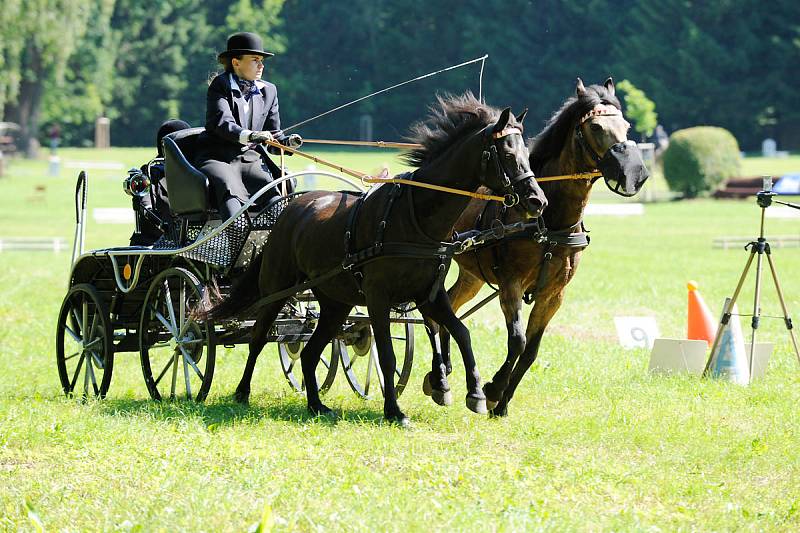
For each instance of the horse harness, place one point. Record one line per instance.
(433, 248)
(575, 236)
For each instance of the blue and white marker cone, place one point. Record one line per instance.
(729, 360)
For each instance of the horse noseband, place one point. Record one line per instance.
(611, 164)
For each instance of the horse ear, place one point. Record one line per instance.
(610, 85)
(521, 116)
(580, 90)
(502, 122)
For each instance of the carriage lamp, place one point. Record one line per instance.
(136, 183)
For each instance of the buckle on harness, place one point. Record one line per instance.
(510, 199)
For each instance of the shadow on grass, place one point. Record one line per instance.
(226, 412)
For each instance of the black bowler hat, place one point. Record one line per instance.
(244, 43)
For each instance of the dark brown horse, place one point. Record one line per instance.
(587, 133)
(465, 144)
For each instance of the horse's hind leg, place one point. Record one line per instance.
(266, 317)
(441, 311)
(332, 315)
(511, 305)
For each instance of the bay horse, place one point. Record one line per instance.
(587, 133)
(465, 144)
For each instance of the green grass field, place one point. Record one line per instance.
(592, 441)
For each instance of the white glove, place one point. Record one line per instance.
(294, 141)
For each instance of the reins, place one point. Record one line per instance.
(366, 178)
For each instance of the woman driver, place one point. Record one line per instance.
(241, 113)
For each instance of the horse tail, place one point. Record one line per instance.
(244, 293)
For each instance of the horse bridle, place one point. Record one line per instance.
(602, 110)
(490, 156)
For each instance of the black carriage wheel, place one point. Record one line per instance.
(177, 353)
(84, 343)
(289, 355)
(360, 359)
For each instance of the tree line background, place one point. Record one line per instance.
(730, 63)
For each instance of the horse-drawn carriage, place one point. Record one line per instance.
(141, 298)
(132, 298)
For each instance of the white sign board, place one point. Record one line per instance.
(636, 331)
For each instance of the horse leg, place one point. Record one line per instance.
(332, 315)
(511, 305)
(435, 382)
(378, 308)
(264, 322)
(441, 311)
(541, 314)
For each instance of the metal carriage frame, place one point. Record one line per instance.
(139, 299)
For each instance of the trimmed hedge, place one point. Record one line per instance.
(699, 159)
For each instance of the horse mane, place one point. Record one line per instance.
(450, 119)
(550, 141)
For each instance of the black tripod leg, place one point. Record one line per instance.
(727, 311)
(786, 319)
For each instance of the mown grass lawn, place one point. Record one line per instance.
(592, 442)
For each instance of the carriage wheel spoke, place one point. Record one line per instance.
(90, 371)
(84, 319)
(71, 356)
(86, 377)
(90, 334)
(163, 372)
(94, 343)
(369, 374)
(97, 360)
(186, 375)
(174, 374)
(72, 334)
(373, 355)
(194, 341)
(77, 320)
(160, 346)
(188, 359)
(182, 309)
(170, 308)
(77, 372)
(325, 362)
(164, 321)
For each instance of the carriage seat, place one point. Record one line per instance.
(188, 187)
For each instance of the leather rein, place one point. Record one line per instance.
(489, 155)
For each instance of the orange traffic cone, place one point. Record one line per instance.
(702, 325)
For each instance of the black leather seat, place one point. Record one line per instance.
(187, 186)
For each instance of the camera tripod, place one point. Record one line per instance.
(759, 248)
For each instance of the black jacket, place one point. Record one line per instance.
(225, 118)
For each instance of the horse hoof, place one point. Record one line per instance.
(491, 394)
(323, 411)
(242, 397)
(427, 389)
(399, 420)
(498, 411)
(491, 404)
(477, 405)
(443, 398)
